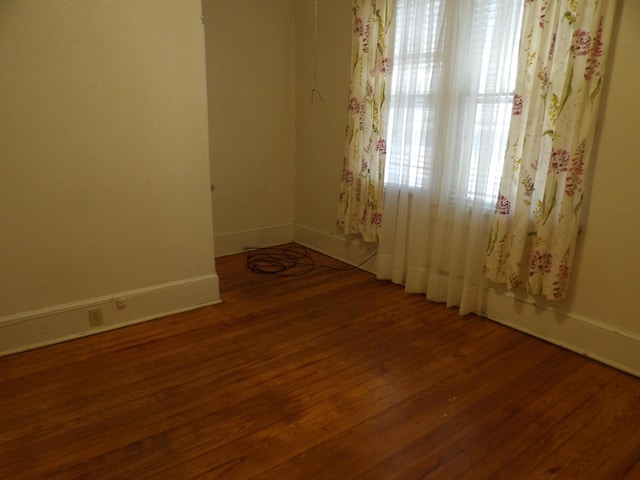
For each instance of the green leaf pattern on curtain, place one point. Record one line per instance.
(362, 186)
(562, 54)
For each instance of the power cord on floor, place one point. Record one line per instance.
(290, 261)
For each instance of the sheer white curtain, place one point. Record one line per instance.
(451, 99)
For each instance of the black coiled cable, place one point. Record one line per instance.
(287, 261)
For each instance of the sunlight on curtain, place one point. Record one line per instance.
(558, 89)
(362, 187)
(451, 97)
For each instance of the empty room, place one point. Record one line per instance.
(319, 239)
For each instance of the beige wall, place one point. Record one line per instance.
(323, 63)
(251, 85)
(275, 157)
(609, 273)
(103, 152)
(321, 126)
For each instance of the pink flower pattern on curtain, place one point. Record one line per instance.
(560, 74)
(362, 186)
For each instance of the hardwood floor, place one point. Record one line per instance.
(330, 375)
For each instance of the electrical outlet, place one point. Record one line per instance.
(95, 317)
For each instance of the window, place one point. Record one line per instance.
(454, 71)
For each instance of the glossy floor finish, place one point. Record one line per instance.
(329, 375)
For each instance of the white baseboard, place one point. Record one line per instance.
(588, 337)
(349, 250)
(38, 328)
(231, 243)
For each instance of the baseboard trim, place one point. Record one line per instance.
(591, 338)
(353, 251)
(231, 243)
(38, 328)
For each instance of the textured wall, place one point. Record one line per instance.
(250, 78)
(103, 149)
(609, 263)
(320, 127)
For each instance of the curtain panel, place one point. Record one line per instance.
(362, 186)
(451, 98)
(560, 75)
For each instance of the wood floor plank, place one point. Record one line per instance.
(469, 425)
(344, 409)
(430, 409)
(522, 430)
(336, 394)
(152, 361)
(268, 381)
(332, 374)
(584, 453)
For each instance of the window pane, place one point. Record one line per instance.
(452, 94)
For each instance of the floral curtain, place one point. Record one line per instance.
(361, 194)
(560, 76)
